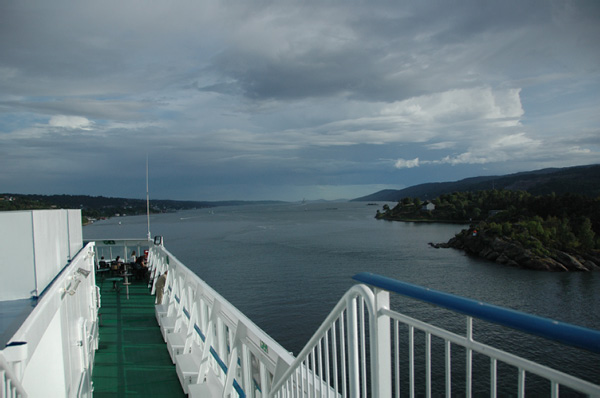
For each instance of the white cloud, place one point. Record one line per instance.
(441, 145)
(481, 104)
(70, 122)
(491, 149)
(469, 112)
(486, 150)
(470, 158)
(515, 141)
(578, 150)
(406, 164)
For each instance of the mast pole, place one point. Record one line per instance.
(147, 200)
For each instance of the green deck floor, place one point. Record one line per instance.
(132, 358)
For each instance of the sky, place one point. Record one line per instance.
(291, 100)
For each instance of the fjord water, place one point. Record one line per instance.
(286, 265)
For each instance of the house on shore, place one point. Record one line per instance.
(428, 206)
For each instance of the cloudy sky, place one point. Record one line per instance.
(289, 100)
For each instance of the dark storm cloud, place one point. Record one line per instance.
(389, 53)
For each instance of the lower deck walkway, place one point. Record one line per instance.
(132, 357)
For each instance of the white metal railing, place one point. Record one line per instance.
(10, 385)
(333, 362)
(109, 249)
(360, 349)
(470, 309)
(221, 348)
(524, 366)
(359, 364)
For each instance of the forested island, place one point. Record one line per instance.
(544, 232)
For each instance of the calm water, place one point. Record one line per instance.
(285, 267)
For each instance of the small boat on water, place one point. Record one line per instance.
(71, 328)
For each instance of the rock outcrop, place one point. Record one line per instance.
(511, 253)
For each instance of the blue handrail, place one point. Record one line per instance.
(565, 333)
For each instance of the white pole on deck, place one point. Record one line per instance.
(147, 200)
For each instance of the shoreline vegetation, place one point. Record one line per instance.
(515, 228)
(95, 208)
(544, 232)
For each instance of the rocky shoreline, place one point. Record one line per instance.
(503, 251)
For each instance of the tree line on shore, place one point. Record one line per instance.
(92, 207)
(98, 207)
(568, 222)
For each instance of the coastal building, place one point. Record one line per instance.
(428, 206)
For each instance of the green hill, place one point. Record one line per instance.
(582, 180)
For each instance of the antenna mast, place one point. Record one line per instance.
(147, 200)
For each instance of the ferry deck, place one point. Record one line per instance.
(132, 357)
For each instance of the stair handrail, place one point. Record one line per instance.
(565, 333)
(343, 304)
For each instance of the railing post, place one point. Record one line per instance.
(469, 359)
(353, 366)
(381, 364)
(236, 352)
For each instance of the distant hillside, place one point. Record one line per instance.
(100, 206)
(584, 180)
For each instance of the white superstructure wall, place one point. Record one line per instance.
(34, 247)
(51, 353)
